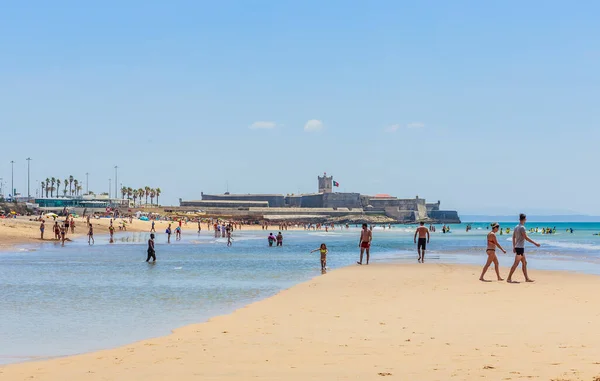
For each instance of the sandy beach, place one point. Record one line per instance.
(15, 231)
(404, 322)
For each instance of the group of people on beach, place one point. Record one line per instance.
(61, 230)
(421, 239)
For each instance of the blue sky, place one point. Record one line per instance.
(488, 106)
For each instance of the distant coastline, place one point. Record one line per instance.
(532, 218)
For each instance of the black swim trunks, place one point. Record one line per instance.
(422, 243)
(519, 250)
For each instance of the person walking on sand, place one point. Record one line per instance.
(423, 234)
(366, 236)
(111, 230)
(151, 252)
(152, 230)
(199, 227)
(42, 228)
(518, 240)
(56, 230)
(323, 250)
(492, 243)
(91, 234)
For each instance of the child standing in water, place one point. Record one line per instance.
(323, 250)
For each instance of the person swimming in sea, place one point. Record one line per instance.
(323, 250)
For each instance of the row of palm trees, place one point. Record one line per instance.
(53, 184)
(140, 193)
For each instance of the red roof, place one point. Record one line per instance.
(382, 195)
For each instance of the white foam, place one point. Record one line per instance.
(572, 245)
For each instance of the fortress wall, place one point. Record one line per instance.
(341, 200)
(274, 200)
(293, 201)
(445, 216)
(312, 201)
(223, 204)
(400, 215)
(421, 212)
(433, 206)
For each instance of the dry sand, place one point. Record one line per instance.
(21, 230)
(396, 322)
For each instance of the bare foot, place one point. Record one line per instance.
(529, 280)
(483, 280)
(511, 281)
(500, 279)
(359, 263)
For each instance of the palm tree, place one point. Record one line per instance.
(52, 182)
(141, 192)
(123, 192)
(135, 196)
(65, 191)
(70, 184)
(157, 190)
(78, 188)
(129, 193)
(65, 187)
(43, 185)
(58, 183)
(147, 192)
(76, 184)
(152, 195)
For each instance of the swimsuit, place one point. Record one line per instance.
(422, 243)
(365, 244)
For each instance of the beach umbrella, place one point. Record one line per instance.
(144, 218)
(51, 215)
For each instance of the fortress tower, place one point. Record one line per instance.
(325, 183)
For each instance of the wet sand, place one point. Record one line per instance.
(400, 322)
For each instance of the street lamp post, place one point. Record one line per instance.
(28, 192)
(116, 193)
(12, 178)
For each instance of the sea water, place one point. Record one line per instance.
(57, 301)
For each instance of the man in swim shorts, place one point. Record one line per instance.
(423, 233)
(366, 237)
(518, 239)
(151, 252)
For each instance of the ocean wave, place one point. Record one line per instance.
(572, 245)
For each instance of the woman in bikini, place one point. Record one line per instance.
(492, 243)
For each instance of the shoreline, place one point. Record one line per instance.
(21, 231)
(324, 328)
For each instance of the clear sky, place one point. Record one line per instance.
(488, 106)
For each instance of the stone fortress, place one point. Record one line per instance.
(323, 205)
